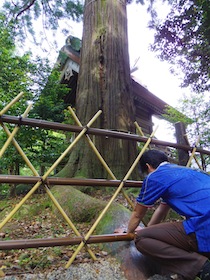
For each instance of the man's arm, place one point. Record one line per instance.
(136, 216)
(159, 214)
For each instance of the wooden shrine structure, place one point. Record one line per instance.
(146, 103)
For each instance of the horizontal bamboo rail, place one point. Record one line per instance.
(16, 179)
(95, 131)
(64, 241)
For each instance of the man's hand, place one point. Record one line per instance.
(137, 229)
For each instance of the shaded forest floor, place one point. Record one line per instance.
(35, 219)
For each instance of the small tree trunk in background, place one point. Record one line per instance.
(183, 156)
(17, 168)
(42, 170)
(104, 83)
(12, 191)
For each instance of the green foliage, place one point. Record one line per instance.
(14, 69)
(25, 15)
(49, 104)
(183, 40)
(4, 191)
(41, 85)
(196, 112)
(74, 42)
(173, 116)
(14, 78)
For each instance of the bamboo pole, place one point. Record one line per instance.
(68, 181)
(103, 162)
(36, 186)
(19, 149)
(66, 218)
(96, 131)
(3, 149)
(84, 130)
(6, 108)
(193, 153)
(110, 202)
(140, 130)
(63, 241)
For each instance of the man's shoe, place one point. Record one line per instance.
(205, 271)
(176, 277)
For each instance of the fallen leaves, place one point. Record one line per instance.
(43, 225)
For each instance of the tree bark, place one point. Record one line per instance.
(183, 156)
(104, 83)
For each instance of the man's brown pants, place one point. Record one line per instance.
(172, 248)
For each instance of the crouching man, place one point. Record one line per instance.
(181, 248)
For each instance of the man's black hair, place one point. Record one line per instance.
(153, 158)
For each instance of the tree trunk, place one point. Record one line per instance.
(183, 156)
(104, 83)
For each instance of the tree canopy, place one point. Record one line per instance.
(21, 74)
(14, 76)
(183, 39)
(25, 14)
(196, 112)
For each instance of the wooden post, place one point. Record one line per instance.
(183, 156)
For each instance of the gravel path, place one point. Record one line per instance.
(108, 269)
(99, 270)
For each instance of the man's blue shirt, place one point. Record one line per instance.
(186, 191)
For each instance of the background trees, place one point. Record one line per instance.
(21, 74)
(26, 15)
(183, 39)
(196, 108)
(105, 48)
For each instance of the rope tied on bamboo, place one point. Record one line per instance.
(20, 121)
(45, 182)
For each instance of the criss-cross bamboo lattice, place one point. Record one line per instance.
(42, 180)
(82, 241)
